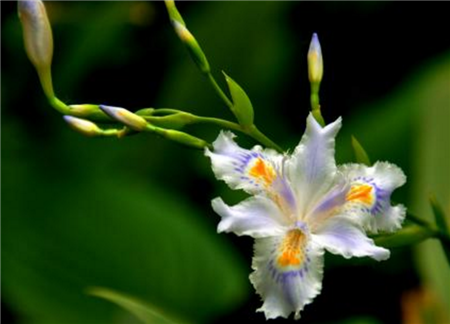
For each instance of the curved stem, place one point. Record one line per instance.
(256, 134)
(218, 90)
(217, 121)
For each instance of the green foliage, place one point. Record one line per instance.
(80, 213)
(146, 313)
(443, 225)
(242, 107)
(71, 225)
(361, 155)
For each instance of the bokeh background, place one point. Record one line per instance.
(134, 214)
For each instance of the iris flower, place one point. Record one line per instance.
(301, 205)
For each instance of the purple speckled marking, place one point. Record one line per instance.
(381, 196)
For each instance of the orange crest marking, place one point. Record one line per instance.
(291, 249)
(362, 193)
(261, 171)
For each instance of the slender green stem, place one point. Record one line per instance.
(253, 131)
(59, 105)
(166, 111)
(256, 134)
(217, 121)
(219, 91)
(437, 233)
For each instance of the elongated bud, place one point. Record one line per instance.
(83, 126)
(175, 121)
(173, 12)
(125, 117)
(182, 138)
(37, 34)
(315, 61)
(193, 47)
(315, 74)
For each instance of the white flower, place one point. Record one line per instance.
(303, 204)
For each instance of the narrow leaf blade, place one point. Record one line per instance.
(361, 155)
(146, 313)
(242, 106)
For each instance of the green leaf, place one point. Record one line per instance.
(146, 313)
(242, 107)
(413, 119)
(406, 236)
(78, 213)
(360, 153)
(442, 224)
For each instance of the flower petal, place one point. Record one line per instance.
(257, 216)
(255, 171)
(288, 273)
(369, 197)
(250, 170)
(312, 168)
(344, 236)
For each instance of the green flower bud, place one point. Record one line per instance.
(315, 61)
(242, 107)
(38, 39)
(191, 43)
(89, 111)
(182, 138)
(175, 121)
(173, 12)
(125, 117)
(83, 126)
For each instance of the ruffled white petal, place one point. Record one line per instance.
(341, 235)
(251, 170)
(312, 168)
(257, 216)
(285, 290)
(370, 194)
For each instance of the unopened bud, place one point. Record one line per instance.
(88, 111)
(125, 117)
(83, 126)
(175, 121)
(173, 12)
(192, 45)
(183, 138)
(315, 61)
(37, 34)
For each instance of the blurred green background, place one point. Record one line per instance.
(134, 214)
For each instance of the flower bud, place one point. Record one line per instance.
(175, 121)
(315, 61)
(83, 126)
(125, 117)
(173, 12)
(38, 39)
(191, 43)
(182, 138)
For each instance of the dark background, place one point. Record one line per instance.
(134, 214)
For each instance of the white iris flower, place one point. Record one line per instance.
(303, 204)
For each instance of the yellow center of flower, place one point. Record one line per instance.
(262, 172)
(361, 193)
(291, 249)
